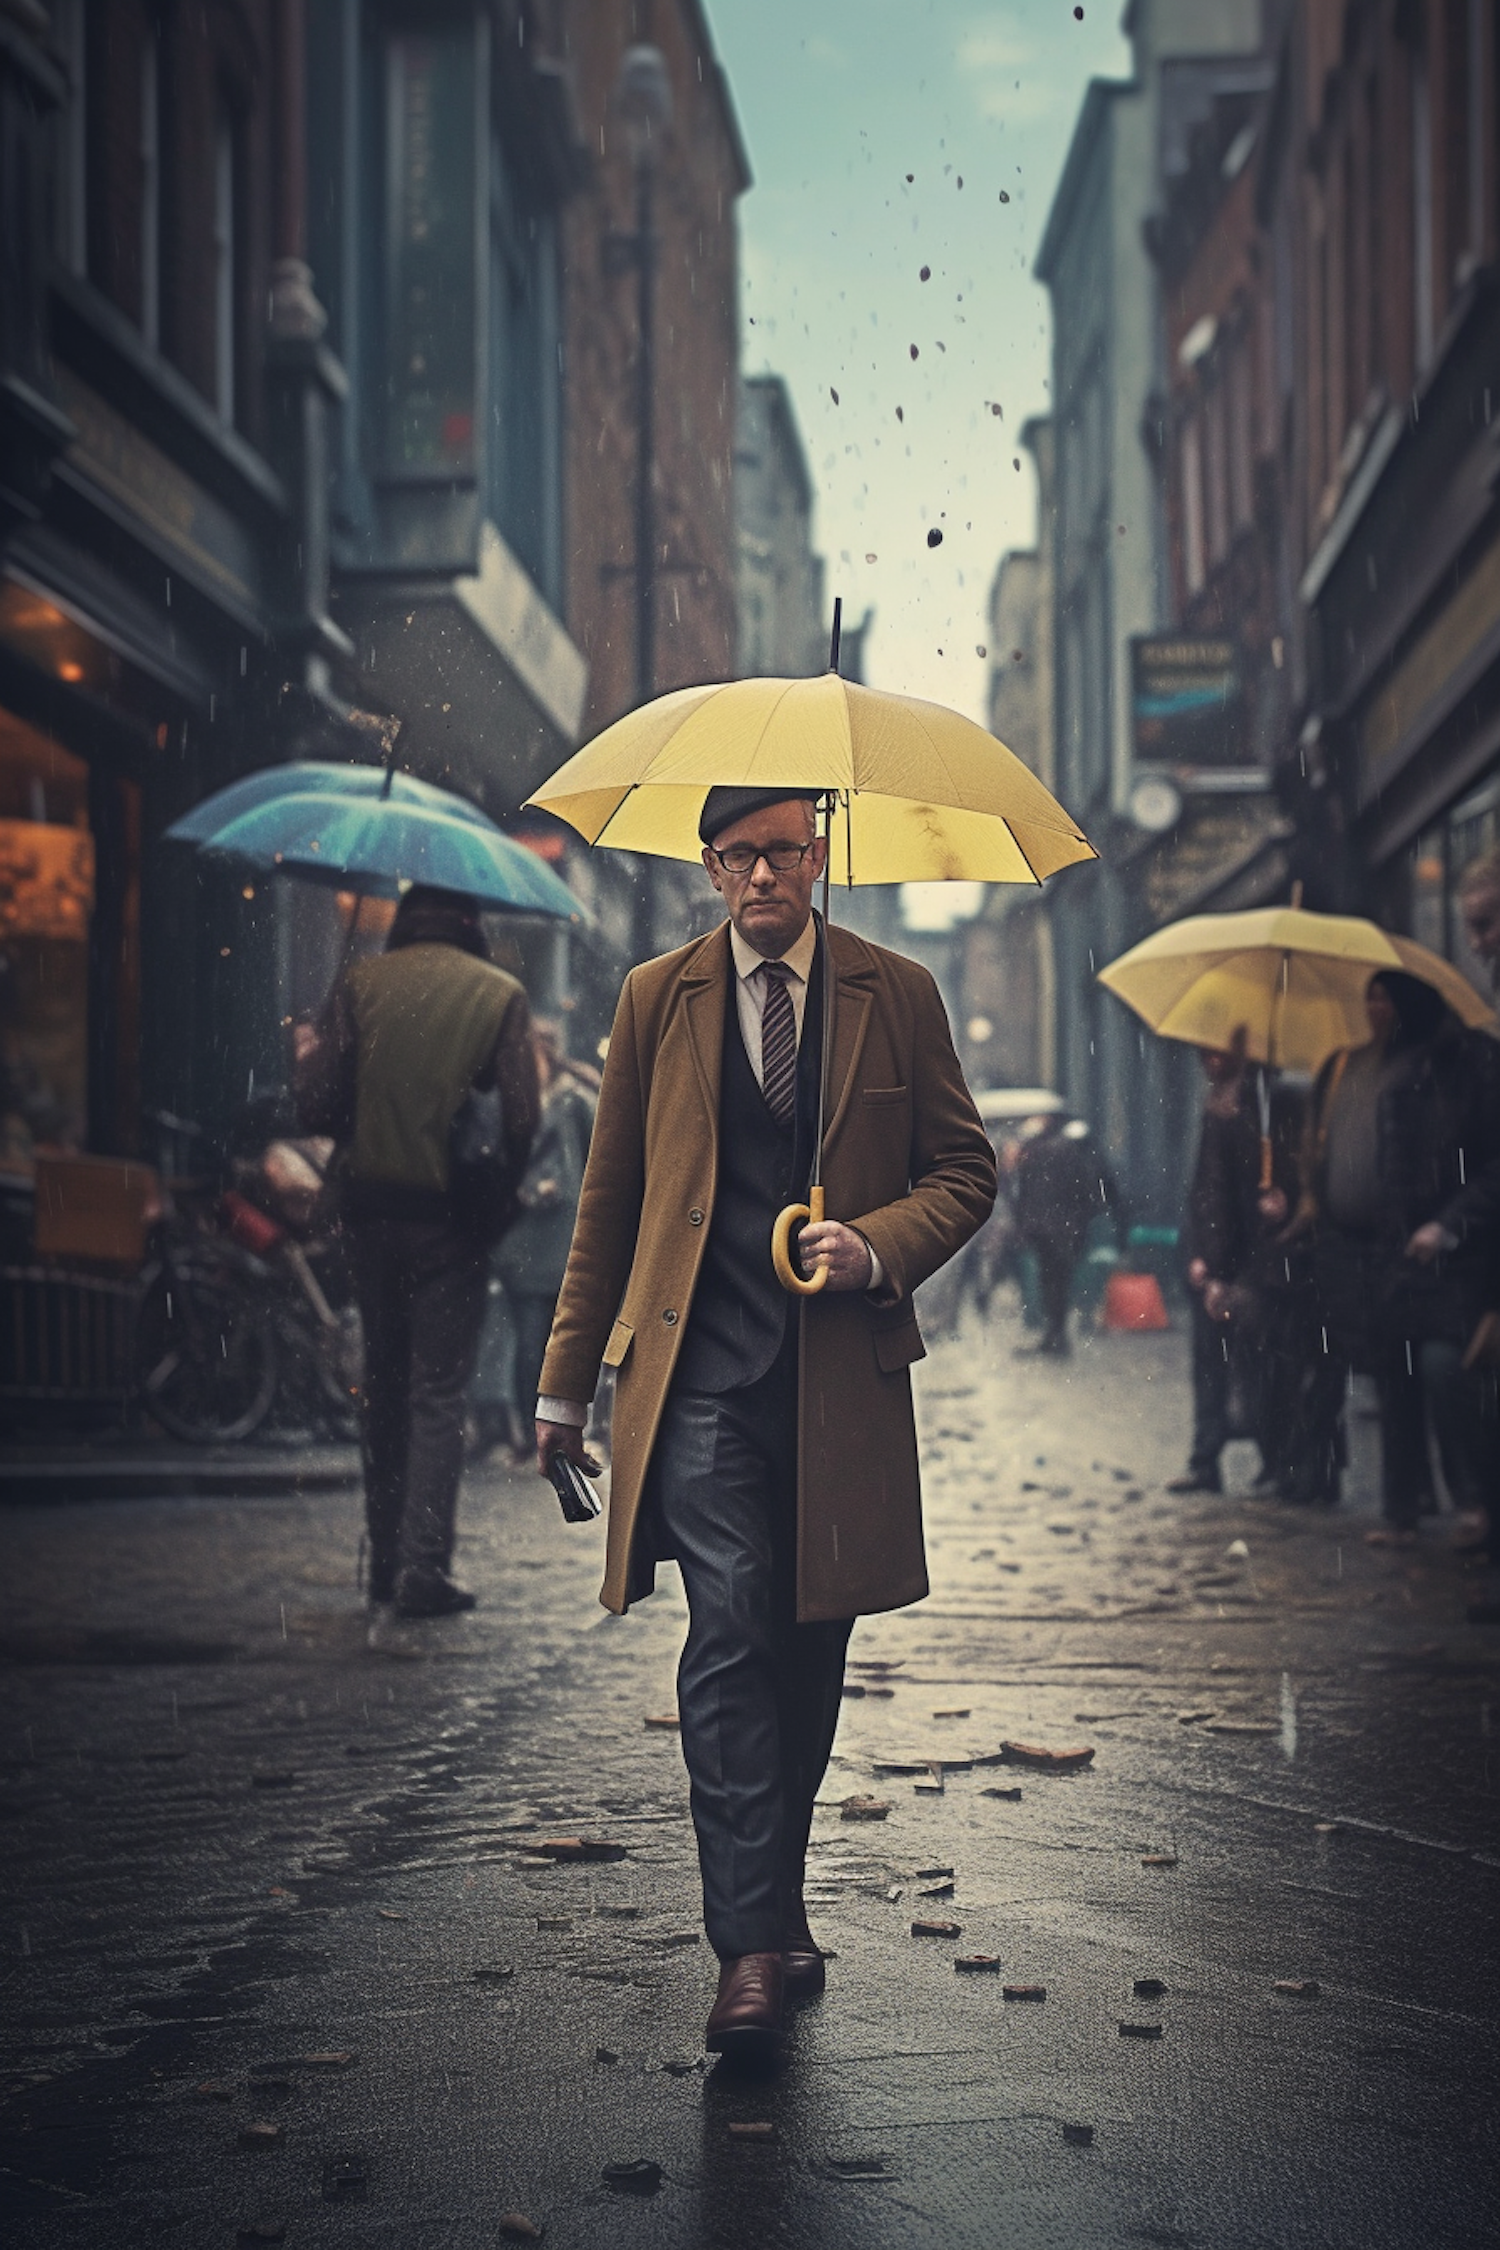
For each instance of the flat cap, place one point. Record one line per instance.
(723, 807)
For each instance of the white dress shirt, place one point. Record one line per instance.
(750, 1000)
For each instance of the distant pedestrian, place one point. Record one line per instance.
(1353, 1205)
(533, 1254)
(406, 1038)
(1058, 1187)
(1479, 904)
(1220, 1237)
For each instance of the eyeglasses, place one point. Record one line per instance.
(740, 859)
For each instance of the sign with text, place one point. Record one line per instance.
(1187, 701)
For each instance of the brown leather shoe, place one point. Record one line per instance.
(746, 2018)
(803, 1973)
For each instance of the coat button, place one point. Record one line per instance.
(670, 1317)
(695, 1218)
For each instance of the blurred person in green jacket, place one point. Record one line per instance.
(406, 1038)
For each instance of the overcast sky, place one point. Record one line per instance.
(839, 100)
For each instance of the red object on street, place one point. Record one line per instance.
(250, 1228)
(1134, 1301)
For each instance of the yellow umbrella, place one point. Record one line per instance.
(1295, 981)
(921, 795)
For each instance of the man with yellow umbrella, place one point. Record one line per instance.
(763, 1426)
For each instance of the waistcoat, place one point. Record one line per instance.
(739, 1313)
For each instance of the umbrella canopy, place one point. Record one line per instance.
(925, 795)
(1295, 980)
(378, 845)
(305, 776)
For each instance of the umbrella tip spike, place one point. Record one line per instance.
(838, 620)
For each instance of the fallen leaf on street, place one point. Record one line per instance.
(516, 2227)
(1045, 1761)
(937, 1890)
(1009, 1796)
(259, 2134)
(565, 1848)
(1191, 1718)
(498, 1973)
(963, 1713)
(1239, 1726)
(894, 1893)
(605, 2055)
(752, 2129)
(853, 1688)
(1148, 1988)
(1023, 1992)
(554, 1922)
(1159, 1859)
(1079, 2136)
(863, 1808)
(1298, 1988)
(1140, 2031)
(937, 1929)
(214, 2090)
(681, 1937)
(389, 1914)
(664, 1719)
(977, 1964)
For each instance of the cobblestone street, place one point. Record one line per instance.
(235, 1843)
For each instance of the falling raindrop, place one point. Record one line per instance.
(935, 539)
(925, 274)
(872, 558)
(980, 649)
(1004, 196)
(913, 350)
(833, 394)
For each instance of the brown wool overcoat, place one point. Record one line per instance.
(906, 1160)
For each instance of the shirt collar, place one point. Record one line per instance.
(798, 958)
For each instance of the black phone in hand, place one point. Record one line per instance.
(579, 1501)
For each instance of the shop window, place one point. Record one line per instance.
(46, 900)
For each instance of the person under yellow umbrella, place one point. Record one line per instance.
(763, 1426)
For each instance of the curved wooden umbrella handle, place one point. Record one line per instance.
(781, 1245)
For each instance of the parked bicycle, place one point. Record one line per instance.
(246, 1313)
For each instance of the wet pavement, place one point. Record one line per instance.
(257, 1877)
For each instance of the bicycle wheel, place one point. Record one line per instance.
(205, 1350)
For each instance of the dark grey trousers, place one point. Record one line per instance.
(758, 1694)
(421, 1289)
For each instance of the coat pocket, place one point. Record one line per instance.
(620, 1338)
(900, 1346)
(877, 1094)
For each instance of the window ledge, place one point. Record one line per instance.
(94, 337)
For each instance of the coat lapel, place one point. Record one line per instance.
(854, 986)
(705, 982)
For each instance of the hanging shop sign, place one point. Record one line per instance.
(1187, 702)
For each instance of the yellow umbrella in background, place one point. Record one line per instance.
(1292, 981)
(913, 793)
(1295, 980)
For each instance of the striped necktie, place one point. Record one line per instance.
(778, 1043)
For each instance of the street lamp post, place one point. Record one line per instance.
(644, 94)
